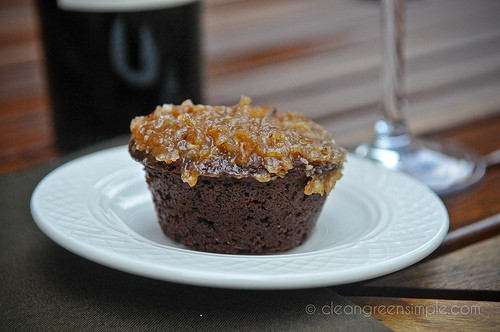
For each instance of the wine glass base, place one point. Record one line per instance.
(444, 167)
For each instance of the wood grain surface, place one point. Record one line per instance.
(463, 270)
(410, 314)
(319, 57)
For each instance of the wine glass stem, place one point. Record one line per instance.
(394, 102)
(442, 167)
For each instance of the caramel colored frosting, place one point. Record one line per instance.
(239, 141)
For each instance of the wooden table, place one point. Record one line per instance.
(322, 58)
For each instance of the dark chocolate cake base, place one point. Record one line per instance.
(233, 216)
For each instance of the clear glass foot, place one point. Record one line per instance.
(444, 167)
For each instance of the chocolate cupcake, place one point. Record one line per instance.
(241, 179)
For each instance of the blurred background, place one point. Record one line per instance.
(318, 57)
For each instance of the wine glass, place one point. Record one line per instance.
(444, 167)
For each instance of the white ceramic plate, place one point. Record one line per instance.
(374, 222)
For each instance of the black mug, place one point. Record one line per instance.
(107, 62)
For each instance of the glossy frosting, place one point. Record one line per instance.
(239, 141)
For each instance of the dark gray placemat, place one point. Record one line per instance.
(44, 287)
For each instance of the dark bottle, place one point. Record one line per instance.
(107, 66)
